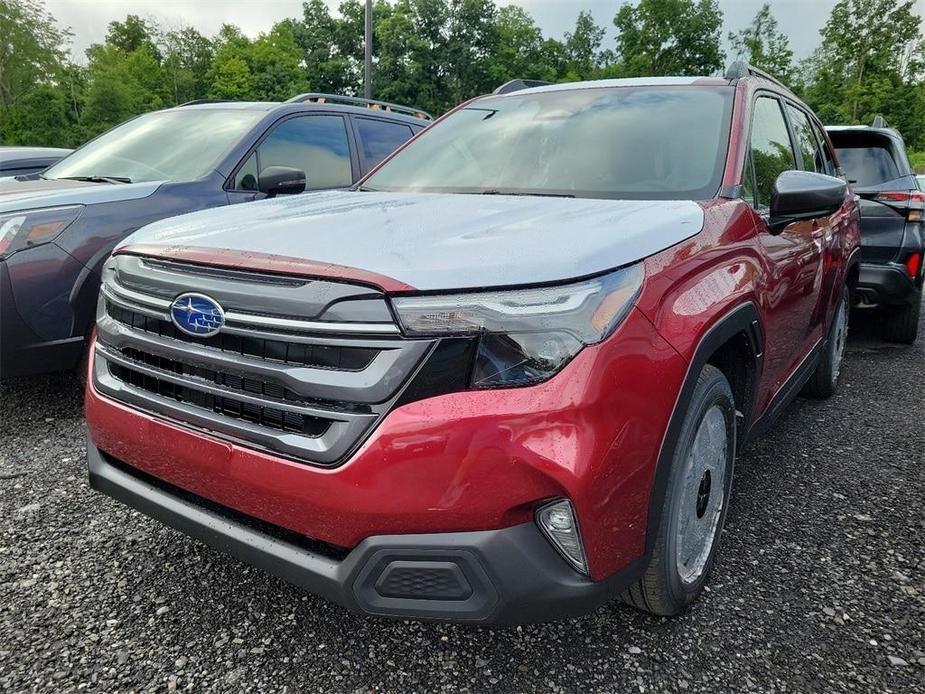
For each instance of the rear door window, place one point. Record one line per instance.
(771, 150)
(868, 165)
(379, 138)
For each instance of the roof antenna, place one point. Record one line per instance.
(879, 122)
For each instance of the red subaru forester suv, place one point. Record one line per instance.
(504, 378)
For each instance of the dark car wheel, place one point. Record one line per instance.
(696, 500)
(902, 322)
(824, 381)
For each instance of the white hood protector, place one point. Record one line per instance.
(441, 241)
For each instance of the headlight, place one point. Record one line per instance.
(525, 335)
(20, 230)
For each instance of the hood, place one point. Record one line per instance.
(436, 241)
(32, 193)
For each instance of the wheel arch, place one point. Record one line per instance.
(733, 344)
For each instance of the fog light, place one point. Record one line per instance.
(558, 523)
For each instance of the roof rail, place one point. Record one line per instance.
(319, 98)
(741, 68)
(196, 102)
(879, 122)
(518, 84)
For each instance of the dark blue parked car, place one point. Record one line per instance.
(21, 161)
(57, 228)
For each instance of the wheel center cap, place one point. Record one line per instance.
(703, 493)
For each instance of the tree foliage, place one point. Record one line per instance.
(871, 62)
(435, 53)
(669, 37)
(763, 45)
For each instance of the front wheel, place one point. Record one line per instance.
(824, 381)
(696, 500)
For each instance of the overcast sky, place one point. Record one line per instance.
(800, 19)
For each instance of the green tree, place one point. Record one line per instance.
(871, 63)
(188, 56)
(669, 37)
(583, 48)
(32, 49)
(520, 50)
(275, 66)
(763, 45)
(230, 75)
(132, 34)
(125, 76)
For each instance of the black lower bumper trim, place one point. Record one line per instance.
(506, 576)
(887, 284)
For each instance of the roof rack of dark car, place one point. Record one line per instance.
(319, 98)
(519, 84)
(196, 102)
(740, 69)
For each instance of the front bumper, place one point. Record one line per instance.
(887, 284)
(22, 351)
(511, 575)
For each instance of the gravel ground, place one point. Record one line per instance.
(820, 585)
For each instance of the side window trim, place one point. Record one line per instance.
(795, 151)
(351, 143)
(827, 149)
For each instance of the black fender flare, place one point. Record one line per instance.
(744, 318)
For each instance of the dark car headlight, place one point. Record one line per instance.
(525, 335)
(19, 230)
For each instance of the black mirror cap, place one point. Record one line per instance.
(800, 195)
(281, 180)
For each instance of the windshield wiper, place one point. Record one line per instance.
(98, 179)
(535, 194)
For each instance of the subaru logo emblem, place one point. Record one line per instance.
(197, 314)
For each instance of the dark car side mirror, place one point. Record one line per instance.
(281, 180)
(800, 195)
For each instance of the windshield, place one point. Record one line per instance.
(181, 145)
(620, 142)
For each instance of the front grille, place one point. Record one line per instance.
(295, 386)
(267, 416)
(318, 356)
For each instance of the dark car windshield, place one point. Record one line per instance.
(602, 142)
(181, 145)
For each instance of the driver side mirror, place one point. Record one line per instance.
(799, 195)
(281, 180)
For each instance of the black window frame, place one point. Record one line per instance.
(355, 168)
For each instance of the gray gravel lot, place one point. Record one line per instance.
(820, 585)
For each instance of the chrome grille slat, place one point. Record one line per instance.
(301, 387)
(321, 413)
(375, 384)
(325, 449)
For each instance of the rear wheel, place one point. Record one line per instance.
(824, 381)
(695, 504)
(902, 322)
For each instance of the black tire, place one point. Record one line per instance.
(662, 590)
(824, 381)
(901, 323)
